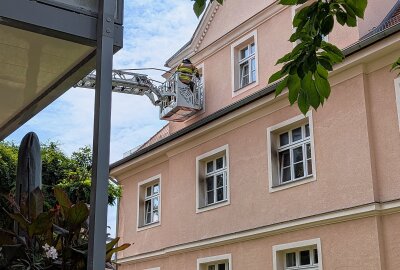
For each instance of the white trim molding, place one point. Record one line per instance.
(200, 160)
(219, 258)
(156, 178)
(155, 268)
(272, 172)
(397, 92)
(276, 261)
(373, 209)
(235, 47)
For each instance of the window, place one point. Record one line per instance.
(294, 153)
(244, 61)
(291, 153)
(149, 194)
(221, 262)
(247, 65)
(212, 179)
(303, 255)
(301, 259)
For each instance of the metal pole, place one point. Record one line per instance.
(101, 136)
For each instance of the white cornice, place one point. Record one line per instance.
(358, 212)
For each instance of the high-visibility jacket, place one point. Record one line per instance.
(188, 69)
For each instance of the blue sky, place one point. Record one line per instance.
(153, 31)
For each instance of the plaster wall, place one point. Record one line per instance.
(349, 245)
(344, 171)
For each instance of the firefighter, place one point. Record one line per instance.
(187, 71)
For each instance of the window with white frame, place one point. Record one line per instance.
(212, 178)
(221, 262)
(302, 255)
(149, 202)
(290, 152)
(301, 259)
(215, 180)
(247, 65)
(244, 61)
(294, 154)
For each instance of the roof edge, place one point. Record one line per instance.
(358, 46)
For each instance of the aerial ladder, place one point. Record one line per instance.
(177, 102)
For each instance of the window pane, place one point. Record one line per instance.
(252, 48)
(210, 197)
(220, 180)
(290, 259)
(309, 167)
(156, 217)
(148, 206)
(298, 154)
(286, 175)
(308, 147)
(296, 134)
(156, 202)
(284, 158)
(211, 267)
(148, 191)
(220, 194)
(244, 74)
(305, 257)
(210, 183)
(156, 189)
(315, 256)
(284, 139)
(307, 130)
(148, 218)
(244, 53)
(219, 163)
(298, 170)
(210, 166)
(221, 266)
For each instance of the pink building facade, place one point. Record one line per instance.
(249, 182)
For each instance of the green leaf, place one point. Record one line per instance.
(36, 201)
(351, 21)
(199, 6)
(358, 6)
(288, 2)
(313, 97)
(327, 25)
(341, 17)
(293, 85)
(322, 72)
(78, 214)
(328, 47)
(115, 250)
(62, 197)
(42, 224)
(276, 76)
(302, 102)
(323, 86)
(20, 219)
(281, 86)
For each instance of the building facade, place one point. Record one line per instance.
(251, 183)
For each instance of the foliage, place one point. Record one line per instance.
(56, 239)
(305, 69)
(73, 174)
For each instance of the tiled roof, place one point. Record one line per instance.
(161, 134)
(392, 19)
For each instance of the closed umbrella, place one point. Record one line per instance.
(29, 171)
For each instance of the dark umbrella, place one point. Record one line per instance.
(29, 172)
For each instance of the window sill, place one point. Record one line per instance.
(212, 206)
(241, 90)
(293, 183)
(148, 226)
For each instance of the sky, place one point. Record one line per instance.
(153, 31)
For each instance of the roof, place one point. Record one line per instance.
(159, 140)
(161, 134)
(391, 19)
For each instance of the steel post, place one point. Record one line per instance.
(101, 136)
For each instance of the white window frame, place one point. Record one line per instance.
(236, 47)
(247, 61)
(203, 263)
(273, 132)
(397, 92)
(201, 174)
(279, 254)
(141, 202)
